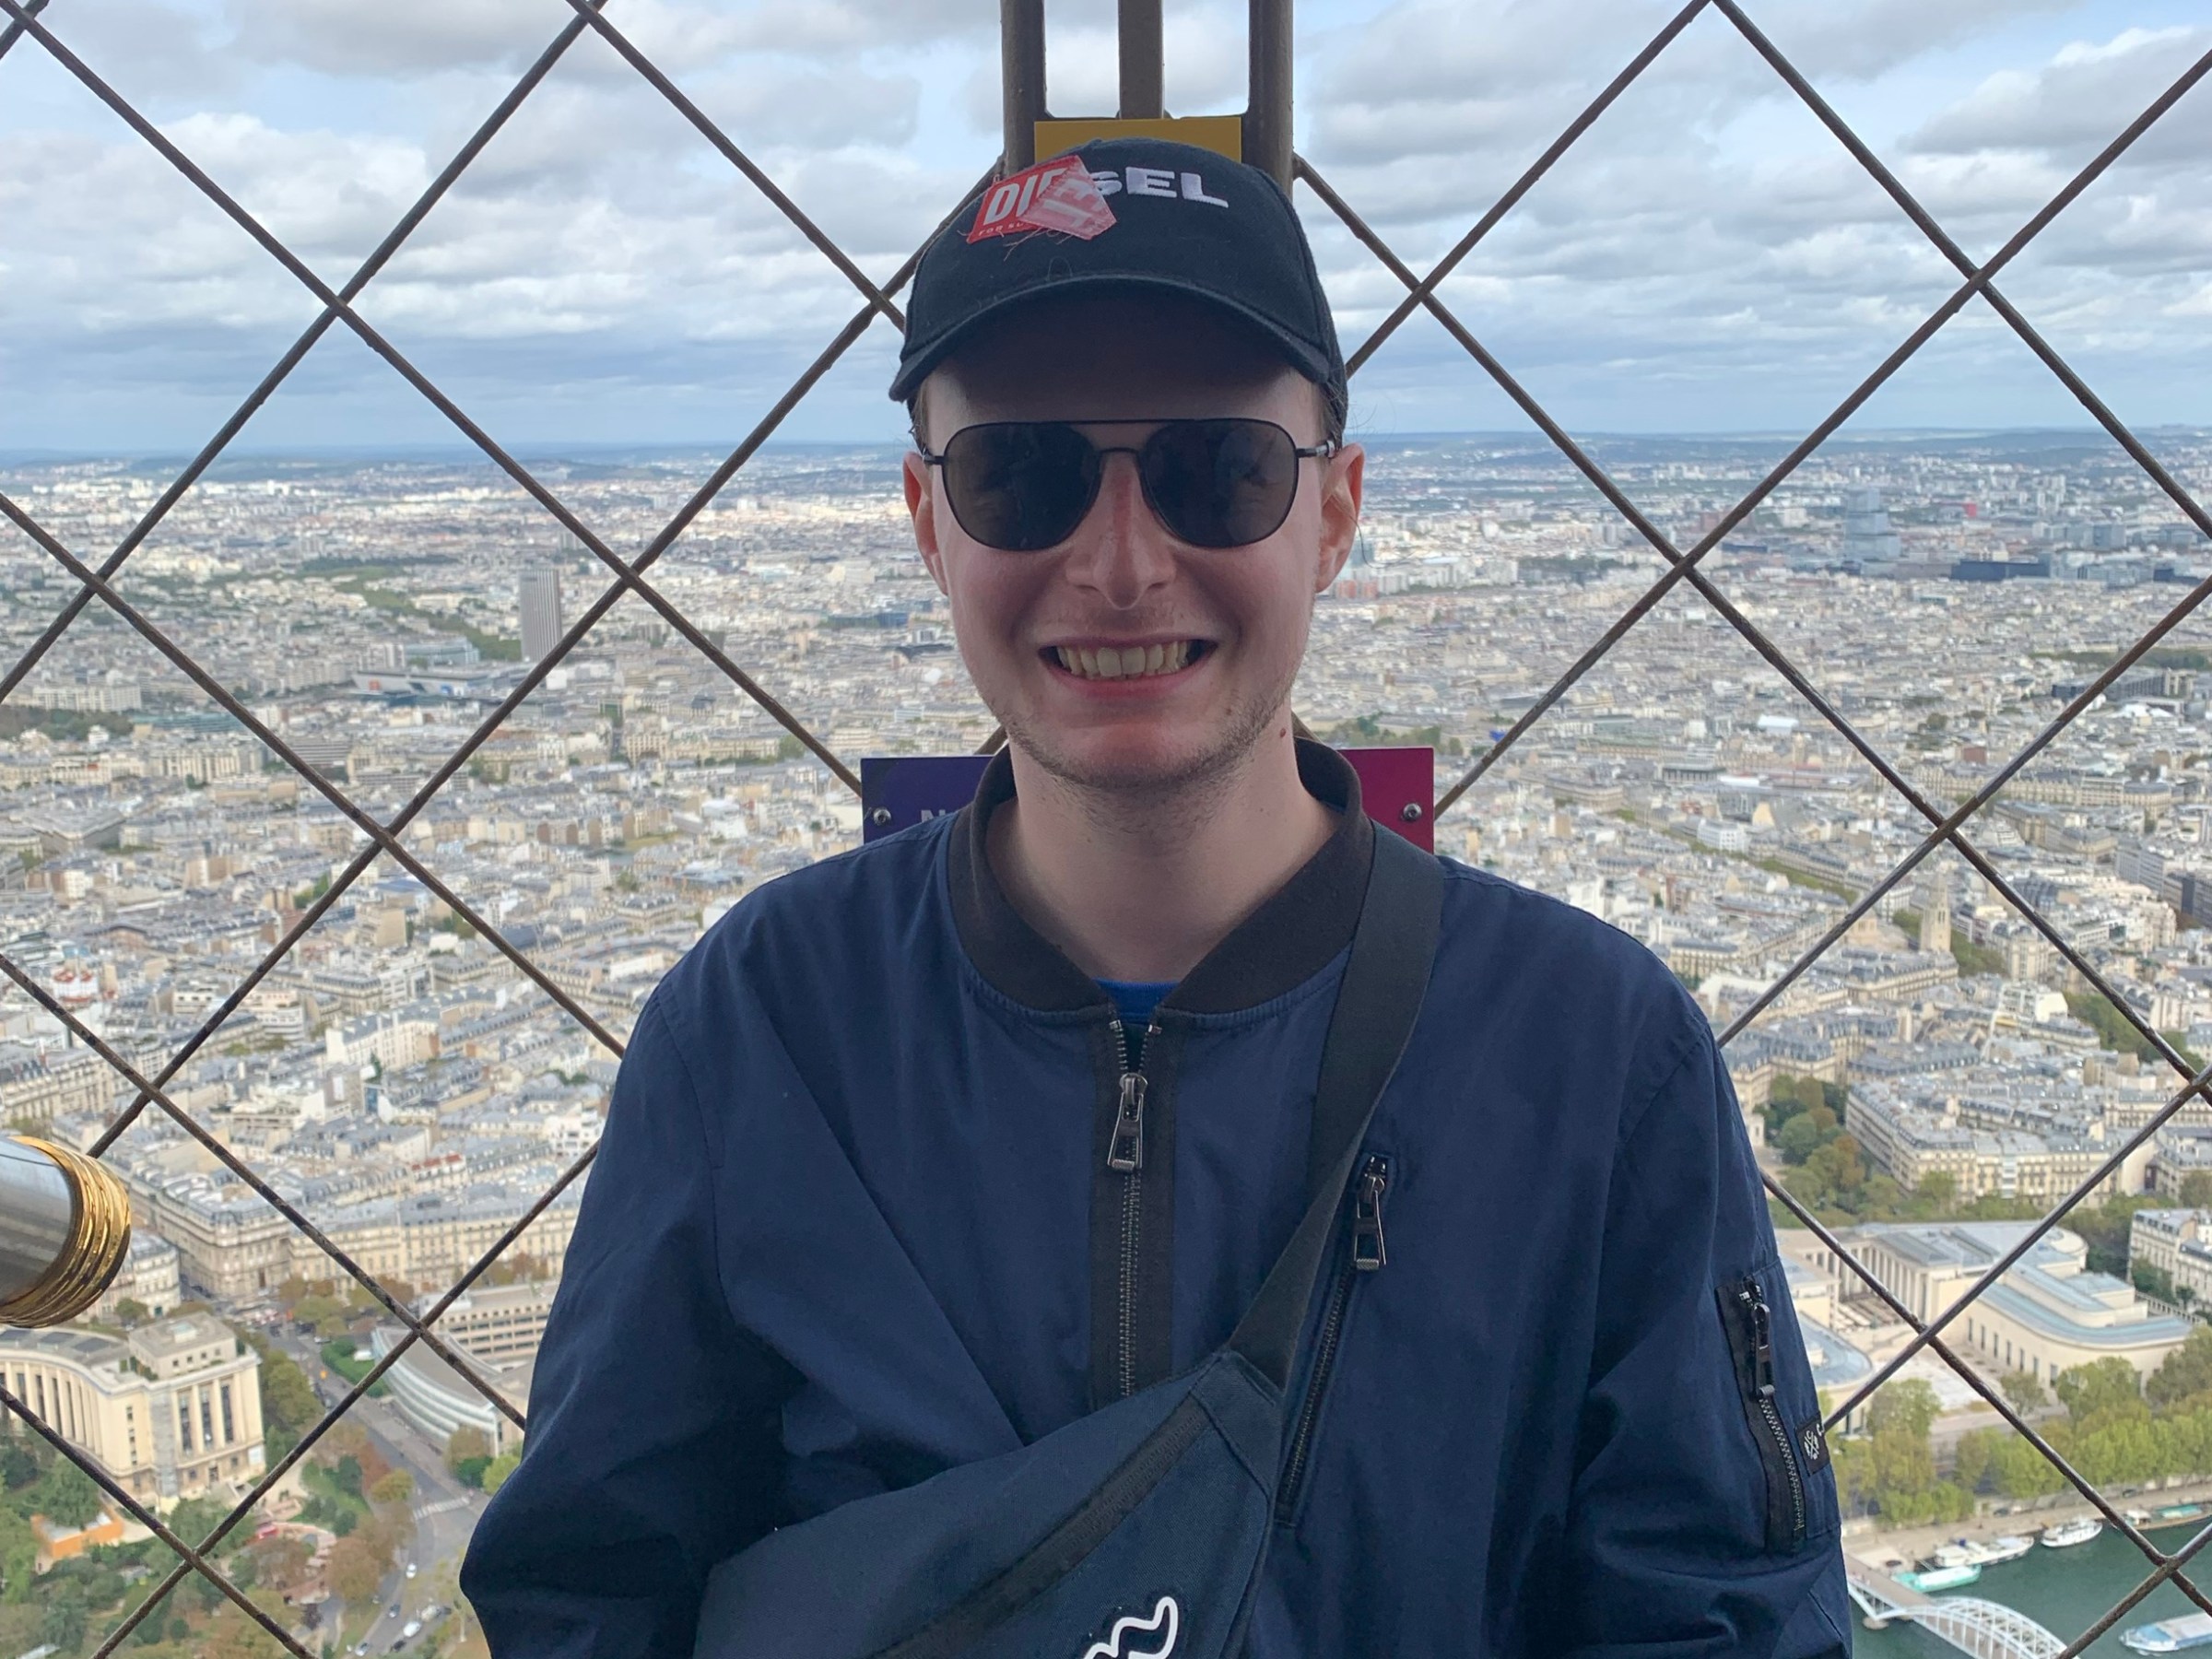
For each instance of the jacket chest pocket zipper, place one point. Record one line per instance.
(1365, 1252)
(1751, 1336)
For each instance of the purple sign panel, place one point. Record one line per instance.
(897, 792)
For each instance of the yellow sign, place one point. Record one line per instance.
(1224, 134)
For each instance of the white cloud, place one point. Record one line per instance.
(2074, 103)
(1706, 237)
(398, 38)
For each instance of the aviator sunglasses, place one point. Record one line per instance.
(1023, 486)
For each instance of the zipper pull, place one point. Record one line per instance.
(1368, 1252)
(1125, 1151)
(1762, 1341)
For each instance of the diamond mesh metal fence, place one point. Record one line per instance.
(384, 839)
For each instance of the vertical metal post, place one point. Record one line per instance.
(1021, 77)
(1144, 60)
(1267, 113)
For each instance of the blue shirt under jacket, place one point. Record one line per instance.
(851, 1225)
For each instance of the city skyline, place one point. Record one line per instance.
(1693, 287)
(1936, 1078)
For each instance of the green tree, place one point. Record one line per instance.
(195, 1519)
(2018, 1471)
(499, 1468)
(288, 1405)
(2152, 1280)
(468, 1455)
(19, 1464)
(18, 1556)
(2099, 1391)
(2186, 1372)
(345, 1473)
(2197, 1189)
(67, 1496)
(1806, 1133)
(65, 1618)
(327, 1316)
(397, 1487)
(1896, 1471)
(152, 1630)
(1971, 1459)
(2104, 1228)
(1907, 1408)
(2025, 1390)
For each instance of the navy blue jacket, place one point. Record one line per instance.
(852, 1223)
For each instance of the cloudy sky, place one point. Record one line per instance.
(1706, 258)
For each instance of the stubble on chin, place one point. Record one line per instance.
(1143, 781)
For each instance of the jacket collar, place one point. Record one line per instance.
(1289, 939)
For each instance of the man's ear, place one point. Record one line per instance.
(1342, 480)
(922, 507)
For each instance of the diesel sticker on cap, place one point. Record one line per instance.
(1058, 195)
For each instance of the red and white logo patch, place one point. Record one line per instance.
(1058, 195)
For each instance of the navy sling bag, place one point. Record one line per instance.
(1136, 1532)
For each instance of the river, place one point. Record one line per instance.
(2064, 1590)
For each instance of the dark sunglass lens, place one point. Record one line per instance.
(1020, 486)
(1221, 483)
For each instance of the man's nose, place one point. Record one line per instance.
(1121, 550)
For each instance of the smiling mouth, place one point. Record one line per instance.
(1127, 662)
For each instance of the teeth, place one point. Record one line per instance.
(1108, 662)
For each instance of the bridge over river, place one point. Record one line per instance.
(1985, 1628)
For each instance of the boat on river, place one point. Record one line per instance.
(1983, 1552)
(2181, 1635)
(2067, 1534)
(2173, 1514)
(1929, 1580)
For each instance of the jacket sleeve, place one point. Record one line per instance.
(654, 1448)
(1704, 1518)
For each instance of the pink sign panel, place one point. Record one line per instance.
(1397, 786)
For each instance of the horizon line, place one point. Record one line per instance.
(559, 449)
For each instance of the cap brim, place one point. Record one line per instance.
(1301, 355)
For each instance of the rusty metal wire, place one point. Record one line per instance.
(19, 19)
(1975, 1380)
(1946, 827)
(1896, 780)
(384, 838)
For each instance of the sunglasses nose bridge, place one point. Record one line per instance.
(1121, 549)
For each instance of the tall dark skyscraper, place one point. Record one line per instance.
(539, 602)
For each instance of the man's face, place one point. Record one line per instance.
(1121, 581)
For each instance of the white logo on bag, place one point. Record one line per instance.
(1166, 1620)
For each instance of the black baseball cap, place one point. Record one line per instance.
(1121, 215)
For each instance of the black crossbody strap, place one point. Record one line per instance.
(1392, 949)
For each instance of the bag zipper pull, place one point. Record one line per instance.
(1368, 1251)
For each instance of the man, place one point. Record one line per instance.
(928, 1150)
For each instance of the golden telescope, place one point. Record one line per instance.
(64, 1229)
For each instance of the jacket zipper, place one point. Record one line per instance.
(1125, 1157)
(1762, 1364)
(1367, 1253)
